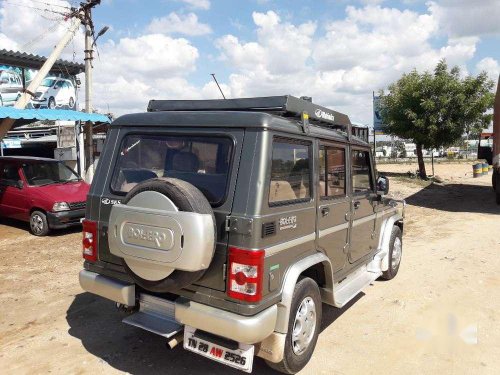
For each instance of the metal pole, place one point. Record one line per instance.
(89, 136)
(44, 70)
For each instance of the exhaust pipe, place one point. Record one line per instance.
(177, 339)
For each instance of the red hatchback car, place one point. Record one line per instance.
(44, 192)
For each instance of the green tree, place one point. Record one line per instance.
(436, 109)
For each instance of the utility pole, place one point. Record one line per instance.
(89, 134)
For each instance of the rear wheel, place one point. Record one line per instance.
(39, 225)
(52, 103)
(71, 102)
(303, 328)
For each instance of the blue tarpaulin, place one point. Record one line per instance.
(51, 114)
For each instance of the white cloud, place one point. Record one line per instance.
(174, 23)
(135, 70)
(36, 30)
(490, 66)
(467, 17)
(340, 68)
(198, 4)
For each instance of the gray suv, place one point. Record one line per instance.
(225, 224)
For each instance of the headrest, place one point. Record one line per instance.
(185, 161)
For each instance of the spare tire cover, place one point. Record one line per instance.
(184, 197)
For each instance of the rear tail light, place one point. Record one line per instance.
(89, 240)
(245, 276)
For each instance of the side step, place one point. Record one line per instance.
(349, 288)
(155, 315)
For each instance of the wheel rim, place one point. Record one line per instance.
(397, 251)
(304, 326)
(36, 224)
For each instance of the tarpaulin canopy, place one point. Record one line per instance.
(51, 114)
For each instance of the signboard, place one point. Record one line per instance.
(57, 90)
(11, 143)
(66, 136)
(378, 126)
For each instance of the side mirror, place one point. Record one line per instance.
(383, 184)
(19, 184)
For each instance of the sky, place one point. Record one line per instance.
(336, 51)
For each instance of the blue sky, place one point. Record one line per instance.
(338, 52)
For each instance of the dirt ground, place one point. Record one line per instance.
(441, 314)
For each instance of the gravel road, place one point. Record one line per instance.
(440, 314)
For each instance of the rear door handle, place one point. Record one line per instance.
(325, 211)
(357, 204)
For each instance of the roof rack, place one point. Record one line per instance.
(285, 106)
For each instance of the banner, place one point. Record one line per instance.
(378, 127)
(57, 90)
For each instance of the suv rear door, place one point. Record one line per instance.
(102, 196)
(363, 215)
(333, 203)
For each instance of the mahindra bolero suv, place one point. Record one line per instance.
(226, 224)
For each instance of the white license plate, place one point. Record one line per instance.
(241, 358)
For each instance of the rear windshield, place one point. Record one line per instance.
(201, 161)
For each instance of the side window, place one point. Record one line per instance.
(9, 175)
(332, 172)
(361, 172)
(290, 171)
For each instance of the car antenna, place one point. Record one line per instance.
(217, 83)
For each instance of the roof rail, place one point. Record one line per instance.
(285, 106)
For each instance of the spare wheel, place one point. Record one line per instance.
(165, 232)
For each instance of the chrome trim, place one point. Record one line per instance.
(246, 329)
(290, 280)
(363, 220)
(336, 228)
(275, 249)
(108, 288)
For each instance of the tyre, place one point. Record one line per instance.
(39, 225)
(71, 102)
(52, 103)
(303, 328)
(395, 253)
(498, 197)
(186, 198)
(494, 180)
(1, 101)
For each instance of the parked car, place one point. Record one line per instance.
(230, 222)
(44, 192)
(55, 92)
(11, 87)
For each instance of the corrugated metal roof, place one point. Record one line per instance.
(51, 114)
(27, 60)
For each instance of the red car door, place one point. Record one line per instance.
(14, 202)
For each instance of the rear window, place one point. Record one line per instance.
(201, 161)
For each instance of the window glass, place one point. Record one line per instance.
(290, 171)
(332, 172)
(201, 161)
(9, 175)
(39, 174)
(361, 172)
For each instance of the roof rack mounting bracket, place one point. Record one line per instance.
(305, 122)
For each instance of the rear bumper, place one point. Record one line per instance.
(65, 219)
(245, 329)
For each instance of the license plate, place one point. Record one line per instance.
(241, 358)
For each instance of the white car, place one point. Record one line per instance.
(55, 92)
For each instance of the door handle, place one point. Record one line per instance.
(357, 204)
(325, 211)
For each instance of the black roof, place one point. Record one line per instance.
(226, 119)
(22, 59)
(26, 158)
(284, 105)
